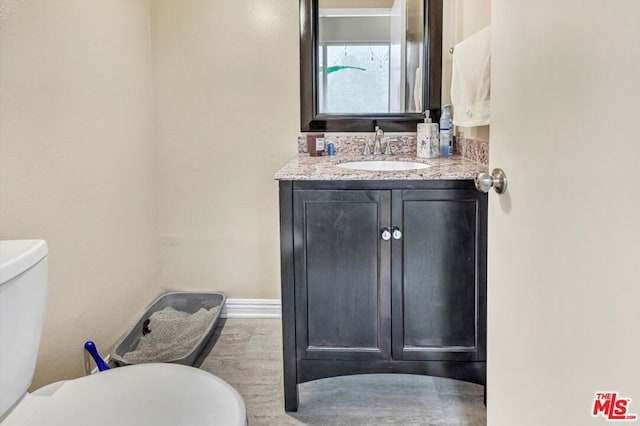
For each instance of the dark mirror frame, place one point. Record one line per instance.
(312, 121)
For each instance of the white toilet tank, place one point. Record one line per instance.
(23, 296)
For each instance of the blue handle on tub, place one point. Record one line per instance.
(93, 351)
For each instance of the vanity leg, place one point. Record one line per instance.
(290, 397)
(287, 277)
(485, 395)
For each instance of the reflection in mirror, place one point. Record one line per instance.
(369, 63)
(370, 56)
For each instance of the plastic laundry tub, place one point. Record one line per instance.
(189, 302)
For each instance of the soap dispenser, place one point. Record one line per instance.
(427, 138)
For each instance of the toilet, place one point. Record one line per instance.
(144, 394)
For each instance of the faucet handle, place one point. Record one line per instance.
(388, 150)
(367, 146)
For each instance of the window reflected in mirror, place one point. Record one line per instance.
(370, 56)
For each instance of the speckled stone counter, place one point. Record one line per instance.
(324, 168)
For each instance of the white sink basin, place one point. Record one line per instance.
(383, 166)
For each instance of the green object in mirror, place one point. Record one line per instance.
(342, 67)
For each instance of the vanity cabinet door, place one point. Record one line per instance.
(342, 274)
(438, 284)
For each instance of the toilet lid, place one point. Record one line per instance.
(144, 394)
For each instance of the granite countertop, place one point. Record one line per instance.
(305, 167)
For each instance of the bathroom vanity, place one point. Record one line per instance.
(382, 271)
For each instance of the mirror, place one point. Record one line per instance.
(369, 62)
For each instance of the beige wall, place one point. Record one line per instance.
(227, 92)
(79, 155)
(77, 165)
(461, 19)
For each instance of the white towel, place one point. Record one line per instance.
(417, 90)
(471, 80)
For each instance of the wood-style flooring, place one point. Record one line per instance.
(247, 353)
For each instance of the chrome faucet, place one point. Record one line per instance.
(377, 144)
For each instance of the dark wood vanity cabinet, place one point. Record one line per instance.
(358, 300)
(342, 270)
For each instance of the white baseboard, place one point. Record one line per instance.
(252, 308)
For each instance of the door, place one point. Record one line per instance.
(439, 298)
(342, 274)
(564, 240)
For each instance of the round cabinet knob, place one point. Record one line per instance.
(397, 234)
(497, 179)
(386, 234)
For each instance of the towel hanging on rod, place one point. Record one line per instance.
(471, 80)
